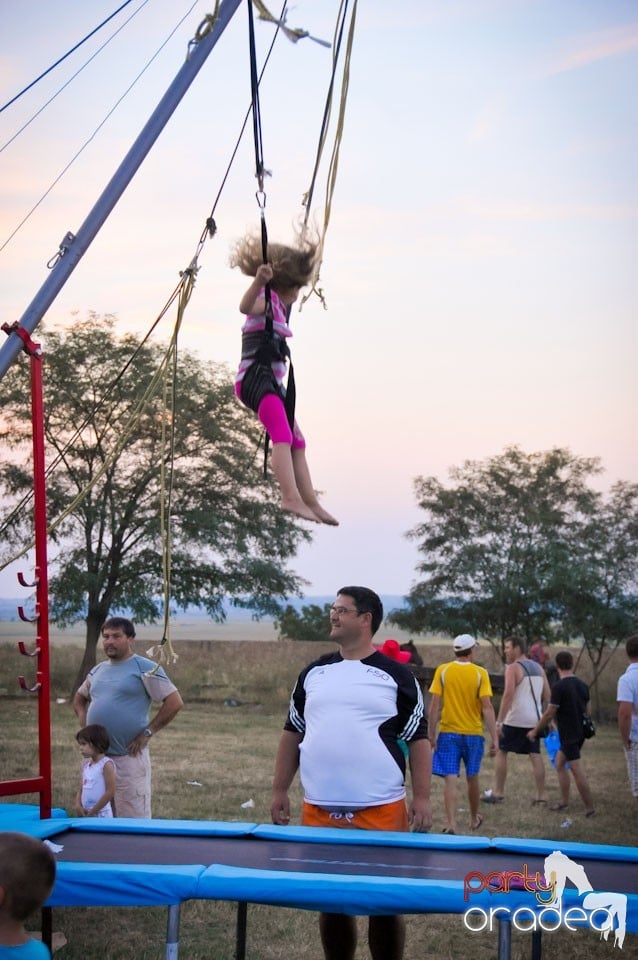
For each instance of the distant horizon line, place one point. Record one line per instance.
(390, 601)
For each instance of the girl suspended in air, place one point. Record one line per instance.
(259, 380)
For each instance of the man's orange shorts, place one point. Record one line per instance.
(387, 816)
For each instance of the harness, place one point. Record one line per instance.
(264, 348)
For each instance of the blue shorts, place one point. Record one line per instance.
(451, 748)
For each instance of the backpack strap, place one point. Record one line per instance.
(531, 687)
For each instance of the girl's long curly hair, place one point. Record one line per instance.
(293, 266)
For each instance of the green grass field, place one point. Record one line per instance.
(229, 750)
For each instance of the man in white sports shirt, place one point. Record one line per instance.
(348, 711)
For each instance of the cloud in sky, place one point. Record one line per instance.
(487, 122)
(582, 51)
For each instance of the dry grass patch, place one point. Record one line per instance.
(230, 751)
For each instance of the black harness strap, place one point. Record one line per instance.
(258, 381)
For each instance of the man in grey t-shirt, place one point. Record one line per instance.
(117, 694)
(525, 697)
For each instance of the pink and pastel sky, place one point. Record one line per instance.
(480, 269)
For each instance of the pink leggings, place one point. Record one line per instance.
(272, 415)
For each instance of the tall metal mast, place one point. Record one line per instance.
(73, 247)
(71, 251)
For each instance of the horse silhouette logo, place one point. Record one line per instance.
(559, 868)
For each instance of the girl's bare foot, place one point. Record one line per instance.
(300, 509)
(325, 517)
(322, 515)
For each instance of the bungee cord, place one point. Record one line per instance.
(71, 78)
(66, 55)
(334, 159)
(188, 276)
(28, 497)
(293, 34)
(93, 135)
(164, 378)
(160, 381)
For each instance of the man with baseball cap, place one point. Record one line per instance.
(461, 693)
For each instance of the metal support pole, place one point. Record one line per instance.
(537, 944)
(504, 939)
(42, 578)
(42, 686)
(240, 937)
(73, 247)
(172, 932)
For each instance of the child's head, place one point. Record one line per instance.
(292, 266)
(27, 875)
(95, 736)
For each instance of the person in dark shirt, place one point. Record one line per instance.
(569, 701)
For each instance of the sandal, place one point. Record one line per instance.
(491, 798)
(449, 831)
(536, 803)
(559, 806)
(479, 821)
(590, 813)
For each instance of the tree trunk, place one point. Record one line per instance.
(94, 623)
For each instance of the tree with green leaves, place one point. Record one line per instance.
(312, 623)
(153, 478)
(495, 544)
(599, 600)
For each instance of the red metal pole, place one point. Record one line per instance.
(42, 783)
(42, 579)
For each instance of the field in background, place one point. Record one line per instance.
(218, 754)
(182, 628)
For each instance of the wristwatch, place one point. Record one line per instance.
(148, 732)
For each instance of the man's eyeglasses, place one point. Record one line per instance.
(341, 611)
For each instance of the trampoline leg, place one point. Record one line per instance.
(47, 927)
(504, 939)
(240, 941)
(172, 932)
(537, 944)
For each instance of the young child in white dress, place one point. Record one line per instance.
(95, 796)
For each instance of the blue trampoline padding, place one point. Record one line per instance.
(10, 812)
(122, 885)
(49, 828)
(43, 828)
(202, 828)
(331, 893)
(587, 851)
(380, 838)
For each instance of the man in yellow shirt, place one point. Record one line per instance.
(461, 693)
